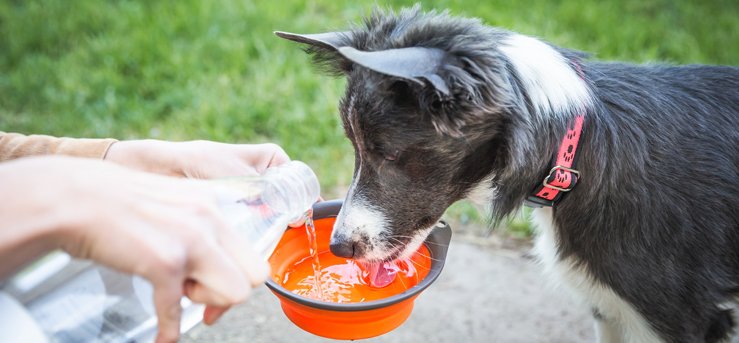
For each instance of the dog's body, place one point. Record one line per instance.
(438, 108)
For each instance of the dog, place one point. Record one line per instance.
(440, 108)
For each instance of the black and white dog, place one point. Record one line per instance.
(440, 108)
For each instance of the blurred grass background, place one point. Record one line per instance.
(189, 69)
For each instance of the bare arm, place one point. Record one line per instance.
(196, 159)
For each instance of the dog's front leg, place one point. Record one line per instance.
(606, 330)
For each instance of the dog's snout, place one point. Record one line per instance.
(342, 247)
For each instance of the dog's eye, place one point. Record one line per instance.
(436, 104)
(388, 154)
(402, 94)
(392, 156)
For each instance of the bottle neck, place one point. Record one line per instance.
(292, 188)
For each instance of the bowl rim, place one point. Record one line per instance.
(437, 244)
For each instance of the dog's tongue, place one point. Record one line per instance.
(382, 274)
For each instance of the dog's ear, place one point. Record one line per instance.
(413, 64)
(327, 40)
(324, 47)
(410, 64)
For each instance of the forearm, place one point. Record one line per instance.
(32, 214)
(196, 159)
(14, 145)
(149, 155)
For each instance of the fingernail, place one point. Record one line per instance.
(208, 315)
(212, 313)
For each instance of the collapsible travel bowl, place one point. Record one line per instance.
(349, 320)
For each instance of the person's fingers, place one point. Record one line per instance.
(279, 156)
(298, 223)
(166, 270)
(167, 295)
(301, 220)
(218, 278)
(209, 291)
(213, 313)
(262, 156)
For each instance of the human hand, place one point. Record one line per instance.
(197, 159)
(200, 160)
(167, 230)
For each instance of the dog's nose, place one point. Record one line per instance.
(342, 248)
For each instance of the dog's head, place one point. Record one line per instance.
(430, 108)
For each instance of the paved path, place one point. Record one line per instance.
(483, 295)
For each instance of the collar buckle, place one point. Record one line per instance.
(562, 169)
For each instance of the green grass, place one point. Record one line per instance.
(190, 69)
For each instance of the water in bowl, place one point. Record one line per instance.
(323, 276)
(344, 280)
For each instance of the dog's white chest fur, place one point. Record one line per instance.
(621, 322)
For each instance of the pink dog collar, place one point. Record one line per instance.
(563, 177)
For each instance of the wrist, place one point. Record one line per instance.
(147, 155)
(39, 217)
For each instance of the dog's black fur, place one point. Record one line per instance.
(655, 215)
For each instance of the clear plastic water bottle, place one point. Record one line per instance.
(60, 299)
(261, 207)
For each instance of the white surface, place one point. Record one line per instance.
(16, 324)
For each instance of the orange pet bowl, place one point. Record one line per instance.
(350, 320)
